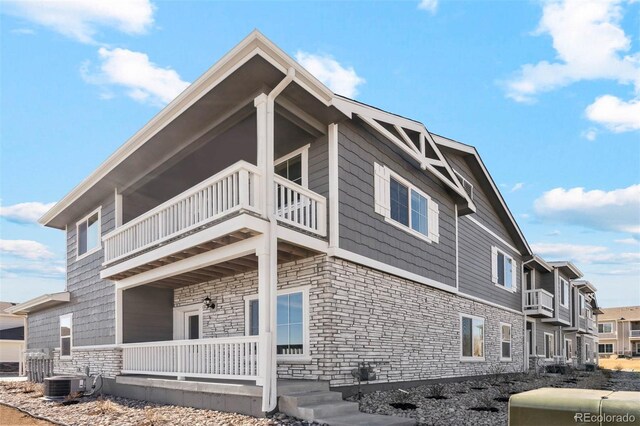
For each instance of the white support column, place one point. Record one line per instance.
(118, 208)
(118, 296)
(334, 227)
(260, 103)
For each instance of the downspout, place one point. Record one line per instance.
(269, 387)
(525, 352)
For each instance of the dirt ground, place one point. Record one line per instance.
(12, 417)
(620, 364)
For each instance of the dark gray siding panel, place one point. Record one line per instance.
(547, 282)
(147, 314)
(319, 166)
(92, 299)
(541, 328)
(474, 251)
(366, 233)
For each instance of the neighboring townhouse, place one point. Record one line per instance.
(12, 340)
(262, 228)
(619, 331)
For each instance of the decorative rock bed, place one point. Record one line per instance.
(483, 402)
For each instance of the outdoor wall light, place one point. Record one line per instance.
(208, 303)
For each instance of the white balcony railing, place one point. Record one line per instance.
(538, 299)
(224, 358)
(300, 207)
(635, 333)
(232, 189)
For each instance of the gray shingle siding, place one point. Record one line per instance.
(365, 232)
(319, 166)
(92, 299)
(474, 246)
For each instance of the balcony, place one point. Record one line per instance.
(538, 303)
(192, 217)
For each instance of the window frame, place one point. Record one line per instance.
(510, 341)
(304, 162)
(84, 220)
(514, 285)
(179, 325)
(410, 187)
(563, 283)
(613, 348)
(609, 323)
(581, 305)
(306, 315)
(553, 341)
(472, 358)
(70, 337)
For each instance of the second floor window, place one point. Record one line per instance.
(88, 233)
(291, 169)
(582, 309)
(564, 293)
(605, 327)
(504, 269)
(409, 207)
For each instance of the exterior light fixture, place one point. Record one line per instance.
(208, 303)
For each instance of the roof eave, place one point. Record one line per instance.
(38, 303)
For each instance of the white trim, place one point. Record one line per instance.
(334, 193)
(484, 335)
(455, 212)
(614, 329)
(613, 346)
(178, 320)
(544, 346)
(303, 152)
(117, 203)
(299, 238)
(493, 234)
(505, 324)
(306, 320)
(26, 307)
(561, 288)
(99, 246)
(391, 270)
(567, 354)
(70, 337)
(533, 350)
(118, 293)
(94, 347)
(208, 258)
(581, 303)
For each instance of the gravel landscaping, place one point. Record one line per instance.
(483, 402)
(109, 410)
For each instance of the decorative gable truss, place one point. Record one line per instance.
(416, 141)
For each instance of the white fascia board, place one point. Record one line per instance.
(29, 305)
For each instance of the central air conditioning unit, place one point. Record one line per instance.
(59, 387)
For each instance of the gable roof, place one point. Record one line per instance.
(629, 313)
(568, 268)
(497, 199)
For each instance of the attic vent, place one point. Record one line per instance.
(465, 184)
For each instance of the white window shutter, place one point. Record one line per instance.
(381, 189)
(433, 221)
(494, 265)
(514, 274)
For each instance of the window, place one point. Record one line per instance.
(504, 269)
(187, 322)
(505, 330)
(549, 345)
(605, 327)
(294, 166)
(605, 348)
(468, 187)
(66, 326)
(564, 293)
(568, 349)
(582, 305)
(404, 205)
(88, 234)
(292, 322)
(472, 332)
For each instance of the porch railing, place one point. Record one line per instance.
(223, 358)
(232, 189)
(538, 299)
(300, 207)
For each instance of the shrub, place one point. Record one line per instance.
(618, 367)
(105, 406)
(437, 391)
(153, 417)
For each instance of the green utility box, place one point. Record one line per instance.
(558, 407)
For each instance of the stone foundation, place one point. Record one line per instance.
(107, 361)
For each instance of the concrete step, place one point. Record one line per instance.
(330, 409)
(296, 386)
(312, 397)
(364, 419)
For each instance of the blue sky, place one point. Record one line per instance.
(549, 93)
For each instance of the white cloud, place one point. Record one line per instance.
(81, 19)
(143, 80)
(590, 134)
(628, 241)
(553, 233)
(25, 212)
(342, 80)
(26, 249)
(517, 187)
(590, 44)
(23, 31)
(428, 5)
(34, 269)
(615, 114)
(616, 210)
(586, 254)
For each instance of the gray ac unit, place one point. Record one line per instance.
(59, 387)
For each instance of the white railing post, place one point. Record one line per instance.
(244, 188)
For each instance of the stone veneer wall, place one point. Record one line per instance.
(107, 361)
(407, 331)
